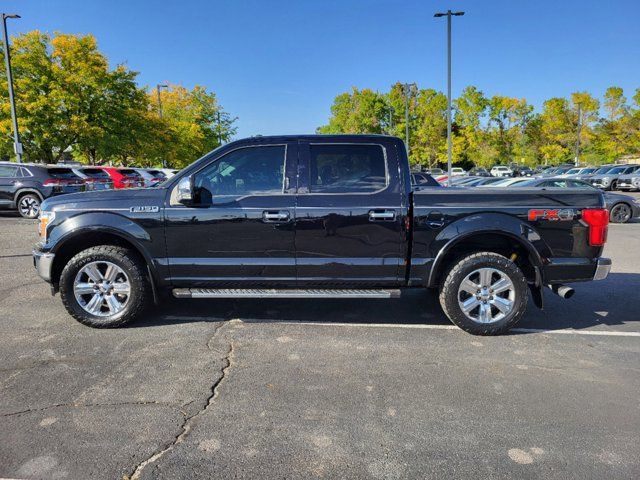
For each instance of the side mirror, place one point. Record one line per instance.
(184, 191)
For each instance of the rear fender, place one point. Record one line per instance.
(504, 225)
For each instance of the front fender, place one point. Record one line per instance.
(91, 222)
(486, 223)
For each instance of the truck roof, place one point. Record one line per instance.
(332, 136)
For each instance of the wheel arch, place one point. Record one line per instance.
(24, 191)
(499, 241)
(71, 244)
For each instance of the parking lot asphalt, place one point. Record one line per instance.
(319, 389)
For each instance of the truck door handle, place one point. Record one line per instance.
(271, 216)
(382, 215)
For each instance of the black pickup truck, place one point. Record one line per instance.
(318, 216)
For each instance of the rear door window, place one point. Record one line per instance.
(95, 173)
(129, 172)
(57, 172)
(8, 171)
(353, 168)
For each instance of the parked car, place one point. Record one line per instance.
(622, 208)
(25, 186)
(504, 182)
(421, 179)
(484, 181)
(434, 171)
(94, 178)
(557, 171)
(609, 179)
(458, 172)
(241, 222)
(151, 177)
(629, 182)
(479, 172)
(579, 172)
(124, 177)
(501, 171)
(522, 171)
(460, 181)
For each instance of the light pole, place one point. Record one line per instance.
(577, 160)
(158, 87)
(449, 14)
(407, 90)
(17, 146)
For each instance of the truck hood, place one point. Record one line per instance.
(106, 199)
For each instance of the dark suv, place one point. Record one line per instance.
(25, 186)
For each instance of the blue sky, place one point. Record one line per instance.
(279, 64)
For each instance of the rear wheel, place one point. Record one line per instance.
(484, 294)
(104, 286)
(620, 213)
(29, 205)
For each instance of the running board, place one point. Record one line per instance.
(282, 293)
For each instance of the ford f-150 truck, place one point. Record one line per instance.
(318, 216)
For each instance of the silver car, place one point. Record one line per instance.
(629, 182)
(609, 179)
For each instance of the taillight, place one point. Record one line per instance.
(598, 221)
(52, 182)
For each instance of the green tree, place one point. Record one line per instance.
(358, 111)
(70, 101)
(193, 123)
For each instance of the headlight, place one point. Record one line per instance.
(45, 219)
(606, 179)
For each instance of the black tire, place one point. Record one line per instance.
(130, 263)
(620, 213)
(465, 266)
(28, 205)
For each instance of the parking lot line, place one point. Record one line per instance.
(564, 331)
(560, 331)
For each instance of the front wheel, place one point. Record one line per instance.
(105, 286)
(484, 294)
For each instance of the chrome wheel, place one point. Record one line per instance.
(486, 295)
(102, 288)
(29, 206)
(621, 213)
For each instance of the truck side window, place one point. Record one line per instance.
(246, 171)
(336, 168)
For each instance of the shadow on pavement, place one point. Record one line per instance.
(611, 302)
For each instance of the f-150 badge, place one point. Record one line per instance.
(144, 209)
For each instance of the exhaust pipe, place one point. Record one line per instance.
(562, 290)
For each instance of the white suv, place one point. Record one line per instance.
(501, 171)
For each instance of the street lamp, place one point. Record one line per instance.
(17, 146)
(449, 14)
(158, 87)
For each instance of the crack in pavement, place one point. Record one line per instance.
(88, 405)
(227, 363)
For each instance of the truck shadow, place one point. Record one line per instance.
(606, 303)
